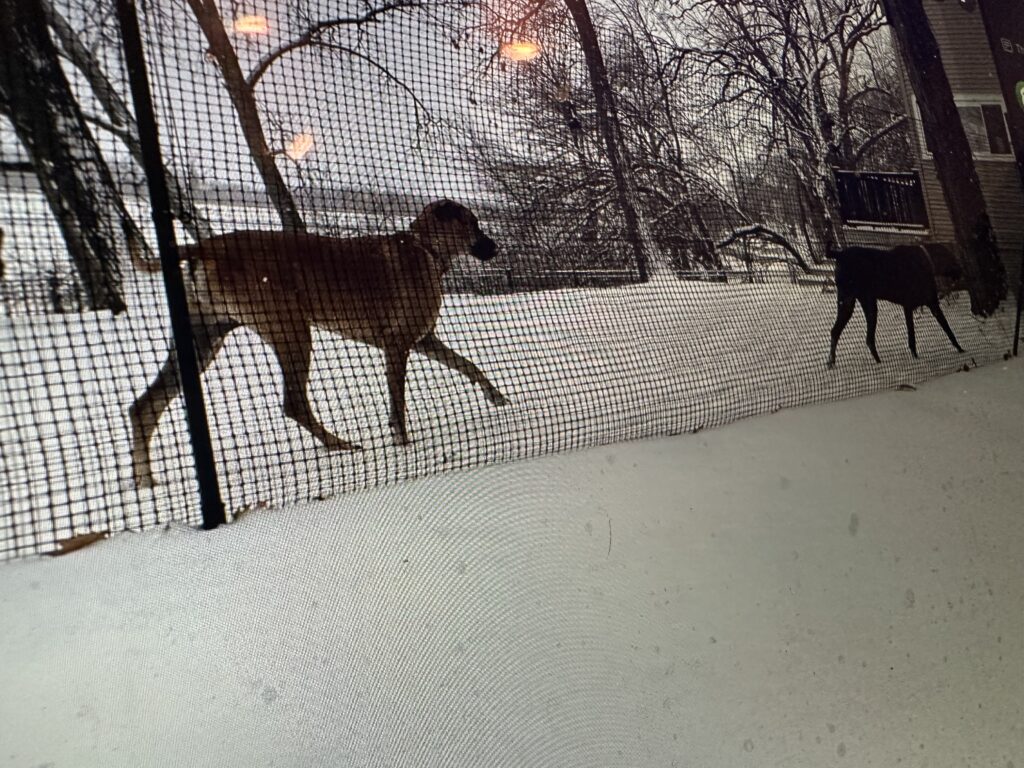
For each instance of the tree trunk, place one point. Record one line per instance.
(36, 97)
(611, 131)
(824, 170)
(819, 230)
(121, 118)
(984, 270)
(244, 102)
(703, 244)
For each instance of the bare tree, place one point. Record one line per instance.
(79, 187)
(566, 217)
(119, 118)
(318, 34)
(804, 72)
(651, 108)
(578, 124)
(242, 87)
(243, 99)
(565, 185)
(985, 272)
(611, 132)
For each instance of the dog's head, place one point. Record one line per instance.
(450, 229)
(949, 275)
(944, 261)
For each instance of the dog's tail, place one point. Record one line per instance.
(139, 261)
(145, 263)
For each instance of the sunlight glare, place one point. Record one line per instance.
(300, 146)
(520, 50)
(252, 25)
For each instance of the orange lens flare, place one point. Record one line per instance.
(252, 25)
(520, 50)
(299, 146)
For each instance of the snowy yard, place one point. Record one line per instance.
(682, 541)
(839, 584)
(581, 368)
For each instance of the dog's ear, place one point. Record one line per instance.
(447, 210)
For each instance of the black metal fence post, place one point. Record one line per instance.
(210, 501)
(1020, 298)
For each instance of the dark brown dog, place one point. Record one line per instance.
(383, 290)
(904, 275)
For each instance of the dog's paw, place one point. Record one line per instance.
(337, 444)
(399, 436)
(499, 399)
(144, 482)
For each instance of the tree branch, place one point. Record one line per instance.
(872, 140)
(388, 75)
(247, 111)
(121, 120)
(313, 34)
(765, 233)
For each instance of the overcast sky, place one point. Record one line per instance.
(364, 126)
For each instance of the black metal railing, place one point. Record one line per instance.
(882, 199)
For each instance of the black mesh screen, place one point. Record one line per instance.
(553, 241)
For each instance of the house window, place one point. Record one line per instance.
(986, 131)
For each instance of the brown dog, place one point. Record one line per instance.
(382, 290)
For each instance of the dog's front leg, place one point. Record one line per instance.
(870, 307)
(937, 311)
(432, 347)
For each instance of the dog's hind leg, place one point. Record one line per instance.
(937, 311)
(870, 307)
(843, 314)
(908, 313)
(145, 412)
(432, 347)
(397, 361)
(293, 345)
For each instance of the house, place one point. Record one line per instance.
(967, 55)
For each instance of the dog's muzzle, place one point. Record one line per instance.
(484, 248)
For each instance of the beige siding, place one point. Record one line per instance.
(938, 212)
(971, 72)
(1000, 184)
(964, 46)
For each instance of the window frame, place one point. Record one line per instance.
(978, 101)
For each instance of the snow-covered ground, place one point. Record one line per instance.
(839, 584)
(580, 367)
